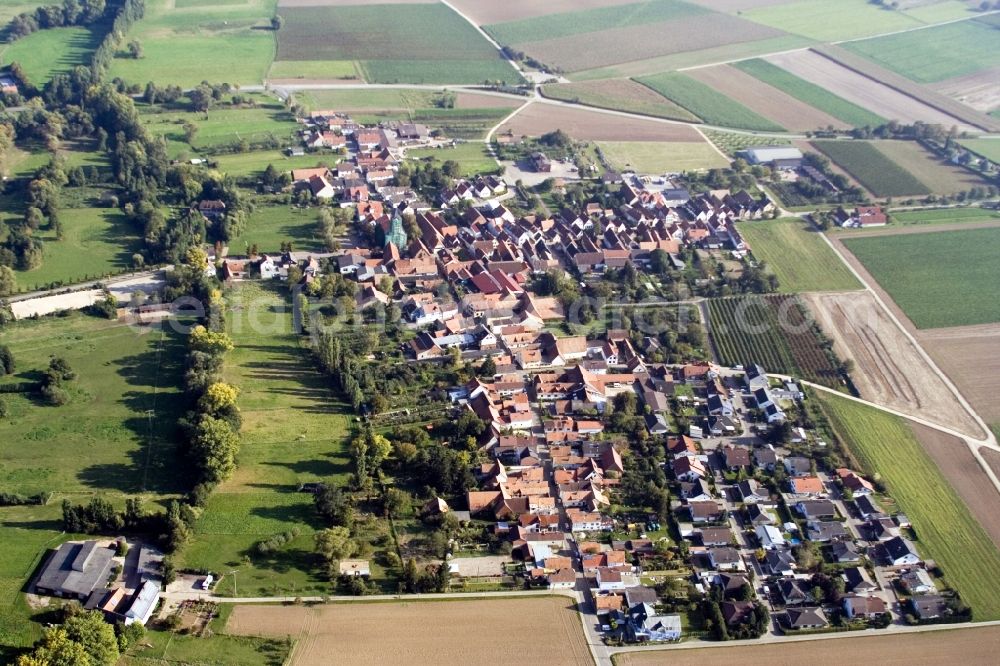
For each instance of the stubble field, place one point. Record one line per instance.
(584, 125)
(474, 633)
(970, 355)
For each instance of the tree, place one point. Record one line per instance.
(488, 368)
(410, 576)
(218, 398)
(56, 649)
(276, 22)
(335, 544)
(190, 132)
(96, 636)
(135, 49)
(334, 505)
(210, 342)
(442, 577)
(8, 281)
(214, 448)
(7, 364)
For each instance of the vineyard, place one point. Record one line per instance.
(772, 331)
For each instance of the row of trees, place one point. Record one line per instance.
(69, 13)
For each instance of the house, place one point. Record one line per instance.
(614, 579)
(751, 492)
(795, 591)
(355, 568)
(805, 618)
(824, 531)
(856, 580)
(736, 612)
(900, 552)
(816, 509)
(917, 581)
(797, 465)
(770, 537)
(756, 515)
(143, 603)
(730, 584)
(765, 458)
(724, 558)
(806, 485)
(706, 512)
(563, 579)
(212, 209)
(696, 491)
(866, 607)
(540, 163)
(779, 563)
(845, 552)
(75, 570)
(716, 536)
(688, 468)
(929, 606)
(736, 458)
(644, 624)
(867, 507)
(852, 481)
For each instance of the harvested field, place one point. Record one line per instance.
(979, 90)
(992, 457)
(484, 12)
(970, 355)
(766, 100)
(888, 369)
(619, 95)
(859, 89)
(540, 118)
(738, 5)
(940, 176)
(972, 645)
(662, 157)
(426, 632)
(467, 100)
(617, 45)
(708, 103)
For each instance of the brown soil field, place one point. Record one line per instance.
(979, 90)
(738, 5)
(861, 90)
(540, 118)
(940, 176)
(467, 100)
(485, 12)
(617, 45)
(473, 633)
(888, 369)
(348, 3)
(992, 459)
(766, 100)
(976, 645)
(965, 475)
(970, 355)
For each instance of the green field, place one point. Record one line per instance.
(185, 45)
(945, 216)
(269, 226)
(938, 279)
(873, 169)
(11, 8)
(797, 255)
(661, 157)
(620, 95)
(810, 93)
(711, 106)
(946, 531)
(422, 43)
(317, 69)
(369, 100)
(96, 242)
(935, 54)
(830, 21)
(293, 432)
(223, 127)
(731, 142)
(54, 51)
(472, 157)
(163, 647)
(988, 148)
(254, 162)
(566, 24)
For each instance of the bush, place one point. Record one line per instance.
(55, 395)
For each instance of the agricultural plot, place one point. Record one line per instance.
(971, 357)
(831, 21)
(270, 226)
(872, 168)
(731, 142)
(798, 256)
(935, 54)
(619, 95)
(945, 216)
(938, 175)
(988, 148)
(54, 51)
(662, 157)
(583, 125)
(185, 44)
(946, 531)
(711, 106)
(473, 158)
(772, 331)
(810, 93)
(978, 91)
(938, 279)
(313, 70)
(764, 99)
(421, 43)
(484, 12)
(253, 163)
(293, 432)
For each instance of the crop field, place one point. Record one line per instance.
(314, 70)
(223, 127)
(772, 331)
(938, 279)
(584, 125)
(619, 95)
(970, 355)
(872, 168)
(946, 531)
(484, 12)
(731, 143)
(473, 158)
(703, 101)
(293, 432)
(662, 157)
(938, 175)
(797, 255)
(427, 632)
(269, 226)
(810, 93)
(460, 123)
(253, 163)
(831, 21)
(214, 41)
(935, 54)
(54, 51)
(975, 644)
(945, 216)
(423, 43)
(988, 148)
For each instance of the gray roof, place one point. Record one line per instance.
(76, 569)
(143, 602)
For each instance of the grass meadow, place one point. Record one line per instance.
(939, 279)
(939, 175)
(988, 148)
(319, 70)
(269, 226)
(797, 255)
(946, 531)
(657, 157)
(619, 95)
(54, 51)
(825, 21)
(873, 169)
(253, 163)
(711, 106)
(810, 93)
(945, 216)
(473, 157)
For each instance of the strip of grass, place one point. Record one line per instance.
(810, 93)
(711, 106)
(566, 24)
(946, 531)
(935, 54)
(874, 170)
(939, 279)
(945, 216)
(659, 157)
(798, 256)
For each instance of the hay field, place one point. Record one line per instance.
(970, 355)
(978, 90)
(827, 21)
(473, 632)
(656, 157)
(940, 176)
(539, 118)
(485, 12)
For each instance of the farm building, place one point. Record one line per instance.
(355, 568)
(782, 156)
(75, 570)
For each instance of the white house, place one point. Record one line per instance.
(770, 537)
